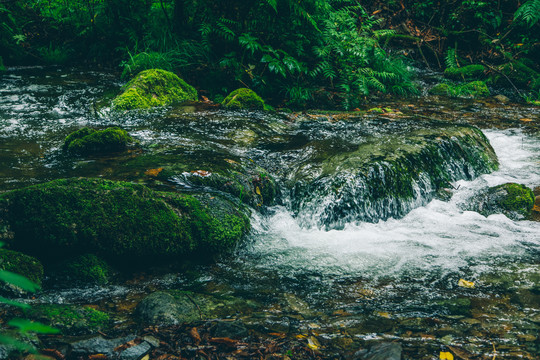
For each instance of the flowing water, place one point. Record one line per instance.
(393, 279)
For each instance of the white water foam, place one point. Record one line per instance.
(437, 237)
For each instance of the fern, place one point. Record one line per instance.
(529, 13)
(451, 59)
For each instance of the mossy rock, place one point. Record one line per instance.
(122, 222)
(243, 98)
(519, 74)
(91, 141)
(154, 87)
(145, 61)
(85, 269)
(70, 319)
(513, 200)
(474, 89)
(21, 264)
(465, 73)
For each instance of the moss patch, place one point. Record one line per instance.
(465, 73)
(154, 87)
(87, 268)
(21, 264)
(120, 221)
(89, 141)
(513, 200)
(243, 98)
(70, 319)
(472, 89)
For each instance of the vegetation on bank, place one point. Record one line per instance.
(295, 54)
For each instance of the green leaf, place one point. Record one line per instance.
(30, 326)
(3, 300)
(16, 344)
(18, 280)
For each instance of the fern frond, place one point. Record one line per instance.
(529, 13)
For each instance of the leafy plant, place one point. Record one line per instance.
(529, 13)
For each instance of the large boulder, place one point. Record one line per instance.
(387, 176)
(243, 98)
(513, 200)
(120, 221)
(91, 141)
(154, 87)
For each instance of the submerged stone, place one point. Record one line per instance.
(154, 87)
(513, 200)
(90, 141)
(122, 222)
(243, 98)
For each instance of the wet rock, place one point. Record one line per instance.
(154, 87)
(380, 351)
(135, 352)
(8, 351)
(298, 305)
(90, 141)
(513, 200)
(119, 221)
(99, 345)
(502, 99)
(387, 177)
(161, 308)
(229, 329)
(243, 98)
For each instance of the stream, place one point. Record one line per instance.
(393, 280)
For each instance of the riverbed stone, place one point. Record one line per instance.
(154, 87)
(90, 141)
(380, 351)
(516, 201)
(120, 221)
(135, 352)
(161, 308)
(99, 345)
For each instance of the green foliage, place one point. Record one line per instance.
(465, 72)
(145, 61)
(529, 13)
(154, 87)
(89, 141)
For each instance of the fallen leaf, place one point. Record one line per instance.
(446, 356)
(231, 161)
(202, 173)
(279, 335)
(466, 284)
(526, 120)
(383, 314)
(300, 336)
(461, 353)
(153, 172)
(313, 343)
(194, 333)
(224, 341)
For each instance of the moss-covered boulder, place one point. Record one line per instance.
(70, 319)
(465, 73)
(389, 175)
(91, 141)
(122, 222)
(21, 264)
(513, 200)
(243, 98)
(519, 74)
(145, 61)
(473, 89)
(154, 87)
(85, 269)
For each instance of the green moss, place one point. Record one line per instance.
(21, 264)
(122, 222)
(465, 73)
(145, 61)
(88, 141)
(472, 89)
(87, 268)
(520, 75)
(513, 200)
(243, 98)
(376, 110)
(154, 87)
(71, 319)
